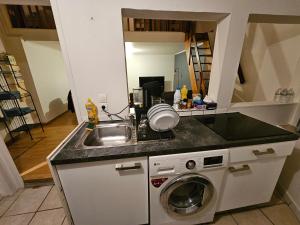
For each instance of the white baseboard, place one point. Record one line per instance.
(290, 201)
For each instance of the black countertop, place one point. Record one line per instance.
(190, 136)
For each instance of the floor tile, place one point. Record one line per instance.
(23, 219)
(29, 200)
(6, 202)
(251, 217)
(52, 201)
(224, 220)
(280, 215)
(49, 217)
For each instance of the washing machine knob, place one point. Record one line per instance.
(190, 164)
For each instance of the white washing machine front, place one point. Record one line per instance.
(182, 191)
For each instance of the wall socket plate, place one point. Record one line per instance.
(102, 98)
(100, 107)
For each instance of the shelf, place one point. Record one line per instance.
(208, 55)
(12, 91)
(8, 72)
(25, 95)
(261, 103)
(11, 95)
(26, 128)
(17, 111)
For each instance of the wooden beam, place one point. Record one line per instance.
(26, 2)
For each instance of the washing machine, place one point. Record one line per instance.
(184, 188)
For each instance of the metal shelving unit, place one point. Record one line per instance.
(15, 101)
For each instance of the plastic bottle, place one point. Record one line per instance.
(92, 111)
(177, 96)
(184, 92)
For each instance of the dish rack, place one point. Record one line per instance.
(151, 134)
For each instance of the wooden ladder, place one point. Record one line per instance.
(199, 61)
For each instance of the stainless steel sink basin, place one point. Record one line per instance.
(105, 135)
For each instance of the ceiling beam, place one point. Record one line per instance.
(25, 2)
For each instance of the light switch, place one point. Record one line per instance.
(102, 97)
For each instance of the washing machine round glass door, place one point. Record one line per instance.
(187, 195)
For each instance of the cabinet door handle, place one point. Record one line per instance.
(269, 151)
(135, 166)
(241, 169)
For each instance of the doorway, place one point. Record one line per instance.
(28, 38)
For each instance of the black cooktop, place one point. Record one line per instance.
(236, 126)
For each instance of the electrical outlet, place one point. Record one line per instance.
(102, 98)
(103, 104)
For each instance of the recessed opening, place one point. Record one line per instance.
(173, 48)
(270, 61)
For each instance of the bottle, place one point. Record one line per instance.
(184, 92)
(92, 111)
(177, 96)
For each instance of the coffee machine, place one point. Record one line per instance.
(152, 89)
(152, 94)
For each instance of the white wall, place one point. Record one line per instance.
(10, 179)
(85, 31)
(270, 60)
(49, 75)
(151, 59)
(150, 65)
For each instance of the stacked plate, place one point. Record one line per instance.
(162, 117)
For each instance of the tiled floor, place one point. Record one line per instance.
(276, 212)
(41, 206)
(33, 206)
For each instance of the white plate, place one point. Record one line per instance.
(157, 110)
(164, 121)
(156, 107)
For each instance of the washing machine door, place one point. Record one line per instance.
(187, 195)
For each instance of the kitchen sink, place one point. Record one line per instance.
(105, 135)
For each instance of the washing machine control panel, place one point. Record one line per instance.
(213, 161)
(191, 164)
(187, 162)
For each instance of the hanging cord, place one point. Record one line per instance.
(110, 115)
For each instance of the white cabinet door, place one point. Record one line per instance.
(250, 183)
(113, 192)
